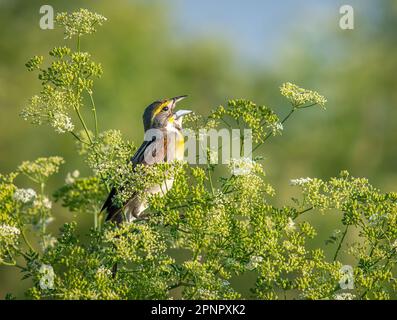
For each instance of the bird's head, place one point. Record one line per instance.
(159, 114)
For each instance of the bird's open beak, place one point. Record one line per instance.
(181, 113)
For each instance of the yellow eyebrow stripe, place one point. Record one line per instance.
(158, 109)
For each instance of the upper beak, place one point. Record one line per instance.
(181, 113)
(179, 98)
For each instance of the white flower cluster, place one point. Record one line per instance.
(213, 157)
(80, 22)
(276, 128)
(25, 195)
(300, 181)
(279, 126)
(48, 242)
(290, 227)
(8, 239)
(47, 277)
(29, 196)
(394, 245)
(43, 202)
(103, 272)
(242, 166)
(375, 219)
(62, 123)
(43, 222)
(47, 203)
(49, 108)
(344, 296)
(7, 231)
(254, 262)
(225, 283)
(71, 177)
(206, 294)
(41, 168)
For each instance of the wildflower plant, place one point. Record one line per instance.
(197, 239)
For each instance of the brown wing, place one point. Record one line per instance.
(151, 148)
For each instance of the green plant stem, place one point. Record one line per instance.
(11, 264)
(43, 227)
(308, 106)
(210, 179)
(78, 43)
(340, 243)
(269, 134)
(83, 124)
(77, 108)
(22, 253)
(225, 122)
(226, 186)
(288, 115)
(5, 263)
(78, 138)
(302, 212)
(241, 139)
(25, 239)
(32, 178)
(94, 112)
(95, 220)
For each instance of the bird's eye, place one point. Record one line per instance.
(165, 109)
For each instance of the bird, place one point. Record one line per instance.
(164, 142)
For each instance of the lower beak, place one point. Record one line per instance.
(181, 113)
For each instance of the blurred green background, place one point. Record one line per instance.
(214, 51)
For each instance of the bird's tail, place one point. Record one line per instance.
(114, 270)
(114, 213)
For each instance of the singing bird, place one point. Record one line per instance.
(164, 142)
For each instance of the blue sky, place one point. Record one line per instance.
(258, 29)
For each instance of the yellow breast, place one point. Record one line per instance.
(180, 146)
(175, 144)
